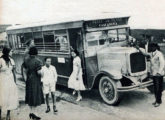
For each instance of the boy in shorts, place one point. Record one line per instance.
(49, 79)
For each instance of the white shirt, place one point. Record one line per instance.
(49, 74)
(157, 63)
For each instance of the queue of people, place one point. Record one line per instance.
(40, 80)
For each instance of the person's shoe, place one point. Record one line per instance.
(54, 109)
(79, 98)
(157, 105)
(48, 109)
(35, 117)
(153, 103)
(74, 92)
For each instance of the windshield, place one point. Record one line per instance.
(106, 36)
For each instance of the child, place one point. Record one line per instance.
(49, 79)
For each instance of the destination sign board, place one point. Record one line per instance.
(106, 22)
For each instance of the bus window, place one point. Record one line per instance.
(93, 43)
(20, 41)
(122, 33)
(61, 40)
(61, 43)
(103, 37)
(112, 35)
(27, 37)
(93, 38)
(38, 40)
(49, 41)
(11, 45)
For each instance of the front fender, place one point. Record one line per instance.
(114, 74)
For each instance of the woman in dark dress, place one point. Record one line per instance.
(34, 95)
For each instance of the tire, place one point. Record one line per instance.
(108, 91)
(151, 89)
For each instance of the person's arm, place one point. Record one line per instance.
(55, 74)
(39, 72)
(162, 63)
(143, 52)
(14, 73)
(78, 71)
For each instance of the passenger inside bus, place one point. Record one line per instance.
(61, 43)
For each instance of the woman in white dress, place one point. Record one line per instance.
(75, 80)
(8, 88)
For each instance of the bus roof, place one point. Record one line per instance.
(78, 20)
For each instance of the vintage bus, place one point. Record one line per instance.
(108, 63)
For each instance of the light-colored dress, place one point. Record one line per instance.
(73, 83)
(8, 88)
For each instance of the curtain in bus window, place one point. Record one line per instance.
(38, 40)
(112, 35)
(122, 34)
(49, 41)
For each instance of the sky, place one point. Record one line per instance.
(144, 13)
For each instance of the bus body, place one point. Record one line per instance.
(107, 61)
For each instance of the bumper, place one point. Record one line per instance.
(134, 87)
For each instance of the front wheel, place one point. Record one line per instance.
(108, 91)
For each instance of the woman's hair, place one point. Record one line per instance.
(33, 51)
(5, 55)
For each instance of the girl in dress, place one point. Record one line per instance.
(8, 88)
(75, 80)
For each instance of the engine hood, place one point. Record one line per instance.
(117, 50)
(114, 60)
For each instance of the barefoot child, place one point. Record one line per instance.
(49, 79)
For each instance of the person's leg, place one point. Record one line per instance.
(154, 84)
(47, 103)
(79, 96)
(8, 115)
(34, 113)
(54, 101)
(53, 98)
(0, 113)
(159, 92)
(74, 92)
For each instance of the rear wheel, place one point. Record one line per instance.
(108, 91)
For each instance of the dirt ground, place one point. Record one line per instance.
(135, 105)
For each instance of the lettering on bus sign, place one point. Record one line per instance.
(106, 22)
